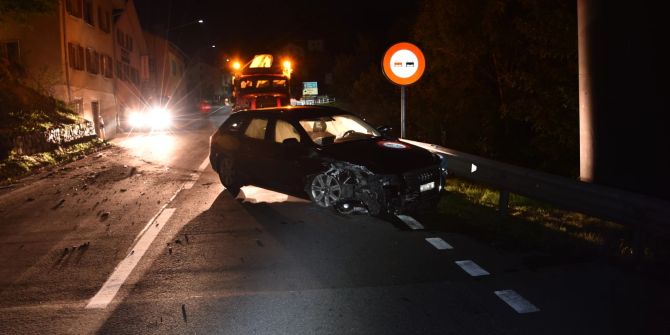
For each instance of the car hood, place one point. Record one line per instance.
(380, 156)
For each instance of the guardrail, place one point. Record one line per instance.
(642, 212)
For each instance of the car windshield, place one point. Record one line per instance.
(337, 129)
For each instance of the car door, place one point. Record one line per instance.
(286, 159)
(253, 157)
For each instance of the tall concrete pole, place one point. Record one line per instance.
(586, 140)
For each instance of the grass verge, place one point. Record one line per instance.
(15, 166)
(534, 227)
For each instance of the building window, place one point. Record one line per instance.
(76, 56)
(128, 43)
(106, 69)
(126, 72)
(73, 7)
(10, 51)
(92, 61)
(119, 37)
(152, 65)
(104, 20)
(88, 12)
(119, 70)
(77, 106)
(134, 76)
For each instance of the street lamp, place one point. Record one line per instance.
(199, 21)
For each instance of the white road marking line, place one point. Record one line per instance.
(439, 243)
(160, 210)
(472, 268)
(189, 184)
(108, 291)
(194, 176)
(516, 301)
(410, 222)
(204, 164)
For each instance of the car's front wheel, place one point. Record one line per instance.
(228, 176)
(325, 190)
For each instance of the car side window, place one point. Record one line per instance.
(256, 129)
(284, 131)
(235, 126)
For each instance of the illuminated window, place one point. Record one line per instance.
(246, 84)
(256, 129)
(262, 83)
(279, 83)
(284, 131)
(261, 61)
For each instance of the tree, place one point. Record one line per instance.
(501, 80)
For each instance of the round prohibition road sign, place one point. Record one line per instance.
(403, 63)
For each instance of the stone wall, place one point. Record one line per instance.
(29, 144)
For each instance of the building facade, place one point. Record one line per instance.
(167, 70)
(76, 54)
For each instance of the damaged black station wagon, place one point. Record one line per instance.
(329, 155)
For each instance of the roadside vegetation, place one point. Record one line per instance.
(17, 166)
(25, 110)
(549, 234)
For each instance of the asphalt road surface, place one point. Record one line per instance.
(141, 238)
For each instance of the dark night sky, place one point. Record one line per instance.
(245, 27)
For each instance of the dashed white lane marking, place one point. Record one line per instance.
(472, 268)
(439, 243)
(516, 301)
(410, 222)
(194, 176)
(204, 164)
(107, 292)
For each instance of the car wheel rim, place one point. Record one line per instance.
(326, 190)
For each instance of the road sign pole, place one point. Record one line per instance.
(403, 64)
(402, 112)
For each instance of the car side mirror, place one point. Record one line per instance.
(385, 130)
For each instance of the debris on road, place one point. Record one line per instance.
(60, 203)
(104, 216)
(183, 312)
(260, 244)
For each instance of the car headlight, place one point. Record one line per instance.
(159, 118)
(137, 120)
